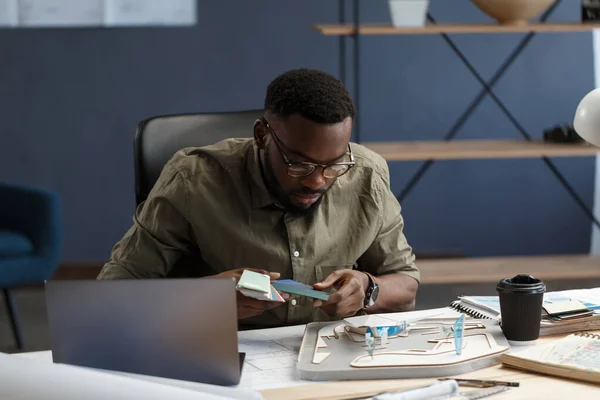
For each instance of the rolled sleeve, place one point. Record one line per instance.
(390, 251)
(160, 234)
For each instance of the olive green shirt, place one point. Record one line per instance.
(210, 205)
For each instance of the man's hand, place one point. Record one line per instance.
(351, 287)
(247, 306)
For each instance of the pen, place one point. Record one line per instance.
(481, 383)
(433, 391)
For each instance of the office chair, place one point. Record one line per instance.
(30, 242)
(158, 138)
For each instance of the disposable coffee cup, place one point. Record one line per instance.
(521, 299)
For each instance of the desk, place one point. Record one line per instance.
(270, 368)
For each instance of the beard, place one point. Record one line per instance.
(282, 197)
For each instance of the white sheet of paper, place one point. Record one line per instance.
(9, 15)
(57, 13)
(22, 378)
(271, 356)
(150, 12)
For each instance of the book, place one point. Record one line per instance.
(576, 356)
(488, 307)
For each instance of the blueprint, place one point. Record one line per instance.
(271, 357)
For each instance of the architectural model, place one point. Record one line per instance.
(372, 347)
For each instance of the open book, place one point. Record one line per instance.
(576, 356)
(488, 307)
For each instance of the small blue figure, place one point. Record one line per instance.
(370, 341)
(458, 333)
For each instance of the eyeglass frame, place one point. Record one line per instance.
(289, 164)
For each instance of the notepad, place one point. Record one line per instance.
(576, 356)
(566, 309)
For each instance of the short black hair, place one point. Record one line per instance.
(314, 94)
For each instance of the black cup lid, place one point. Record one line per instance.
(521, 284)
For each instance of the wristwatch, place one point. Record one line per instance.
(371, 293)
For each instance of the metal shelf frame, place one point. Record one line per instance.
(460, 121)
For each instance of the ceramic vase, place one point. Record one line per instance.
(513, 11)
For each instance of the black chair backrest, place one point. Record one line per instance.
(158, 138)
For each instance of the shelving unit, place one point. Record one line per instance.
(387, 29)
(492, 269)
(484, 269)
(477, 149)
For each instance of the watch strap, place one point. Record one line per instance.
(369, 291)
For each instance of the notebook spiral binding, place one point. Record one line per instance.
(468, 311)
(587, 335)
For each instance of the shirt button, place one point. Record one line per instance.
(296, 253)
(294, 302)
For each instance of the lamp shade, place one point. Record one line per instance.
(587, 118)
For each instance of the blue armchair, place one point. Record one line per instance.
(30, 241)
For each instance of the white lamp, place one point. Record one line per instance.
(587, 118)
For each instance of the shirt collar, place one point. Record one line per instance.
(259, 194)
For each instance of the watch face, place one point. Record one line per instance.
(374, 294)
(369, 301)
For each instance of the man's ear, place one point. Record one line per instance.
(260, 133)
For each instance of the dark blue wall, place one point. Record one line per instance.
(70, 100)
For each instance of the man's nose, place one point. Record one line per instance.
(315, 181)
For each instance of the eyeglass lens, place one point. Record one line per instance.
(331, 171)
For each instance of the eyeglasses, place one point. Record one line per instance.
(302, 169)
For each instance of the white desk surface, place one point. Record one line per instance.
(270, 368)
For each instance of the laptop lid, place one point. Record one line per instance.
(172, 328)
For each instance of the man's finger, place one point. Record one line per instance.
(329, 281)
(350, 305)
(336, 297)
(274, 275)
(333, 299)
(347, 299)
(347, 289)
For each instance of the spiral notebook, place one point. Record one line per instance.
(576, 356)
(480, 307)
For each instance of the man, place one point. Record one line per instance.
(297, 201)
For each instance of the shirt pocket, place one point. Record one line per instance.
(323, 271)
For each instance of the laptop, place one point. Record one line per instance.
(182, 329)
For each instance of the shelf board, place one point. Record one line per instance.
(492, 269)
(388, 29)
(458, 149)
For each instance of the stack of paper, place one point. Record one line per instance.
(562, 312)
